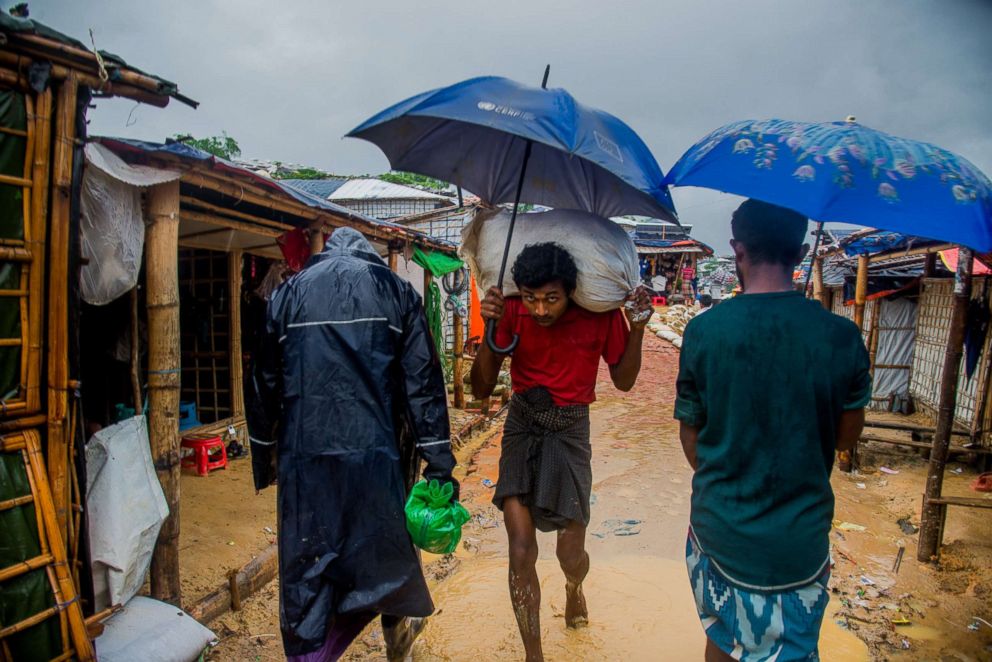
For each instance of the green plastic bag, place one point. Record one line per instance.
(433, 520)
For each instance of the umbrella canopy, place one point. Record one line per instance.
(474, 134)
(843, 171)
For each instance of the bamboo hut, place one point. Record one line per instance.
(665, 251)
(914, 300)
(47, 81)
(213, 233)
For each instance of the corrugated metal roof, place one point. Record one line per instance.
(322, 188)
(376, 189)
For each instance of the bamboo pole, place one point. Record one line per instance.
(456, 370)
(162, 303)
(135, 354)
(66, 594)
(931, 523)
(316, 238)
(58, 303)
(251, 578)
(223, 213)
(61, 72)
(237, 384)
(819, 291)
(873, 336)
(861, 291)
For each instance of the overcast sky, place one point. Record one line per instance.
(288, 79)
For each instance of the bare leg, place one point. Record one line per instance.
(574, 561)
(525, 590)
(715, 654)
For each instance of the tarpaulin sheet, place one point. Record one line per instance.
(30, 593)
(896, 339)
(347, 386)
(880, 241)
(126, 509)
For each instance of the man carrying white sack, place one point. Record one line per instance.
(545, 470)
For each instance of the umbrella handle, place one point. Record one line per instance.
(491, 339)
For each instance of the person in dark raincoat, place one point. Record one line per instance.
(348, 396)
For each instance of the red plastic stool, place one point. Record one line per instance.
(202, 445)
(659, 301)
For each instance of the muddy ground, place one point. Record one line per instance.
(639, 599)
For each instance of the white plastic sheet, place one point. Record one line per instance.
(112, 230)
(147, 629)
(126, 508)
(603, 252)
(896, 340)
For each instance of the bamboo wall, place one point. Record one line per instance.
(932, 331)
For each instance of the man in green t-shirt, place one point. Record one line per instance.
(770, 385)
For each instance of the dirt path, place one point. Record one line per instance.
(641, 607)
(639, 599)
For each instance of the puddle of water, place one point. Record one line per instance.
(640, 608)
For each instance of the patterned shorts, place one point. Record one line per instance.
(752, 626)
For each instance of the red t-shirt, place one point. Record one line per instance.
(563, 357)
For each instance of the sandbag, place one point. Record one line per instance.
(603, 252)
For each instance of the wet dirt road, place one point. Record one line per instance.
(640, 604)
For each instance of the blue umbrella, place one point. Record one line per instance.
(843, 171)
(508, 142)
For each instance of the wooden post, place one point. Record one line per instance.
(819, 291)
(931, 520)
(929, 264)
(58, 303)
(873, 333)
(162, 301)
(456, 369)
(395, 246)
(235, 265)
(861, 291)
(135, 354)
(316, 238)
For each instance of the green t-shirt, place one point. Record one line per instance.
(765, 378)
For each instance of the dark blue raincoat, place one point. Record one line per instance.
(349, 396)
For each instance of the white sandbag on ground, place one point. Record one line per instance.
(147, 629)
(603, 252)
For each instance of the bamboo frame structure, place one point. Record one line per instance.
(58, 305)
(162, 302)
(52, 557)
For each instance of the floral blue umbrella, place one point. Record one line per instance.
(843, 171)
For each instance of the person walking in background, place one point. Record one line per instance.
(770, 385)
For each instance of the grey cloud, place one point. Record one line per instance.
(289, 79)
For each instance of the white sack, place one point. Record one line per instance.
(112, 234)
(147, 629)
(603, 252)
(126, 508)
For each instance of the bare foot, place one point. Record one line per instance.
(576, 613)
